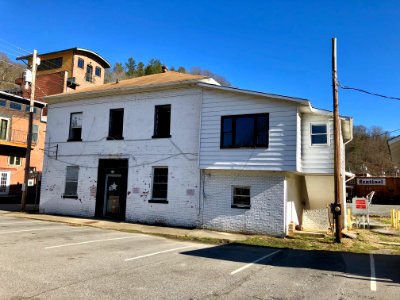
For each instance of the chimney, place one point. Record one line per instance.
(164, 69)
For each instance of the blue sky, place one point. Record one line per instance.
(281, 47)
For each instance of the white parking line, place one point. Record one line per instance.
(155, 253)
(37, 229)
(373, 275)
(254, 262)
(93, 241)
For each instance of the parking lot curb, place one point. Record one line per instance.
(168, 232)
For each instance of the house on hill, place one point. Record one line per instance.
(66, 70)
(181, 150)
(13, 133)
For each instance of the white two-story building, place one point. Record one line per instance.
(181, 150)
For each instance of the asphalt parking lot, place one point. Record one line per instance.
(45, 260)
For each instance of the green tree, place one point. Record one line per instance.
(140, 69)
(130, 68)
(153, 67)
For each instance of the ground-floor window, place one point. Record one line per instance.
(4, 182)
(240, 197)
(160, 183)
(71, 182)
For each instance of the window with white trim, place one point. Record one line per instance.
(71, 182)
(319, 134)
(4, 123)
(240, 197)
(4, 182)
(14, 160)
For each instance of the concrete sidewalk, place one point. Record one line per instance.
(221, 237)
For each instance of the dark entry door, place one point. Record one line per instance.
(111, 188)
(112, 196)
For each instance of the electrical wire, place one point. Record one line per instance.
(344, 87)
(19, 48)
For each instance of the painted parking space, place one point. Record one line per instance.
(92, 263)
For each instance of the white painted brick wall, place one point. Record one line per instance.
(179, 153)
(267, 212)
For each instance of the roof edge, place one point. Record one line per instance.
(105, 62)
(256, 93)
(64, 97)
(21, 100)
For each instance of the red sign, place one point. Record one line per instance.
(361, 203)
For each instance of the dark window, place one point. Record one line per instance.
(241, 197)
(3, 129)
(14, 160)
(75, 127)
(89, 73)
(2, 102)
(71, 181)
(15, 106)
(160, 184)
(244, 131)
(81, 63)
(162, 121)
(49, 64)
(97, 71)
(319, 134)
(116, 125)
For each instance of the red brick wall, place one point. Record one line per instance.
(47, 85)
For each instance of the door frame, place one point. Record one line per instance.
(111, 167)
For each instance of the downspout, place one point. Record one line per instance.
(200, 203)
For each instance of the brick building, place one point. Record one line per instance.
(66, 70)
(14, 115)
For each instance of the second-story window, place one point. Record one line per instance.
(89, 73)
(50, 64)
(116, 125)
(4, 129)
(162, 121)
(35, 133)
(319, 134)
(81, 63)
(245, 131)
(75, 127)
(97, 71)
(14, 160)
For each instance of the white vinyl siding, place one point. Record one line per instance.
(316, 158)
(281, 152)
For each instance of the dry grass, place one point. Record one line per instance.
(367, 241)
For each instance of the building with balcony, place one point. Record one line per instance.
(66, 70)
(14, 116)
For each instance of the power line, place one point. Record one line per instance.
(19, 48)
(367, 92)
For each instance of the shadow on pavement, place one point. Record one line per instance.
(349, 265)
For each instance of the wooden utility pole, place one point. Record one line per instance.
(29, 135)
(336, 127)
